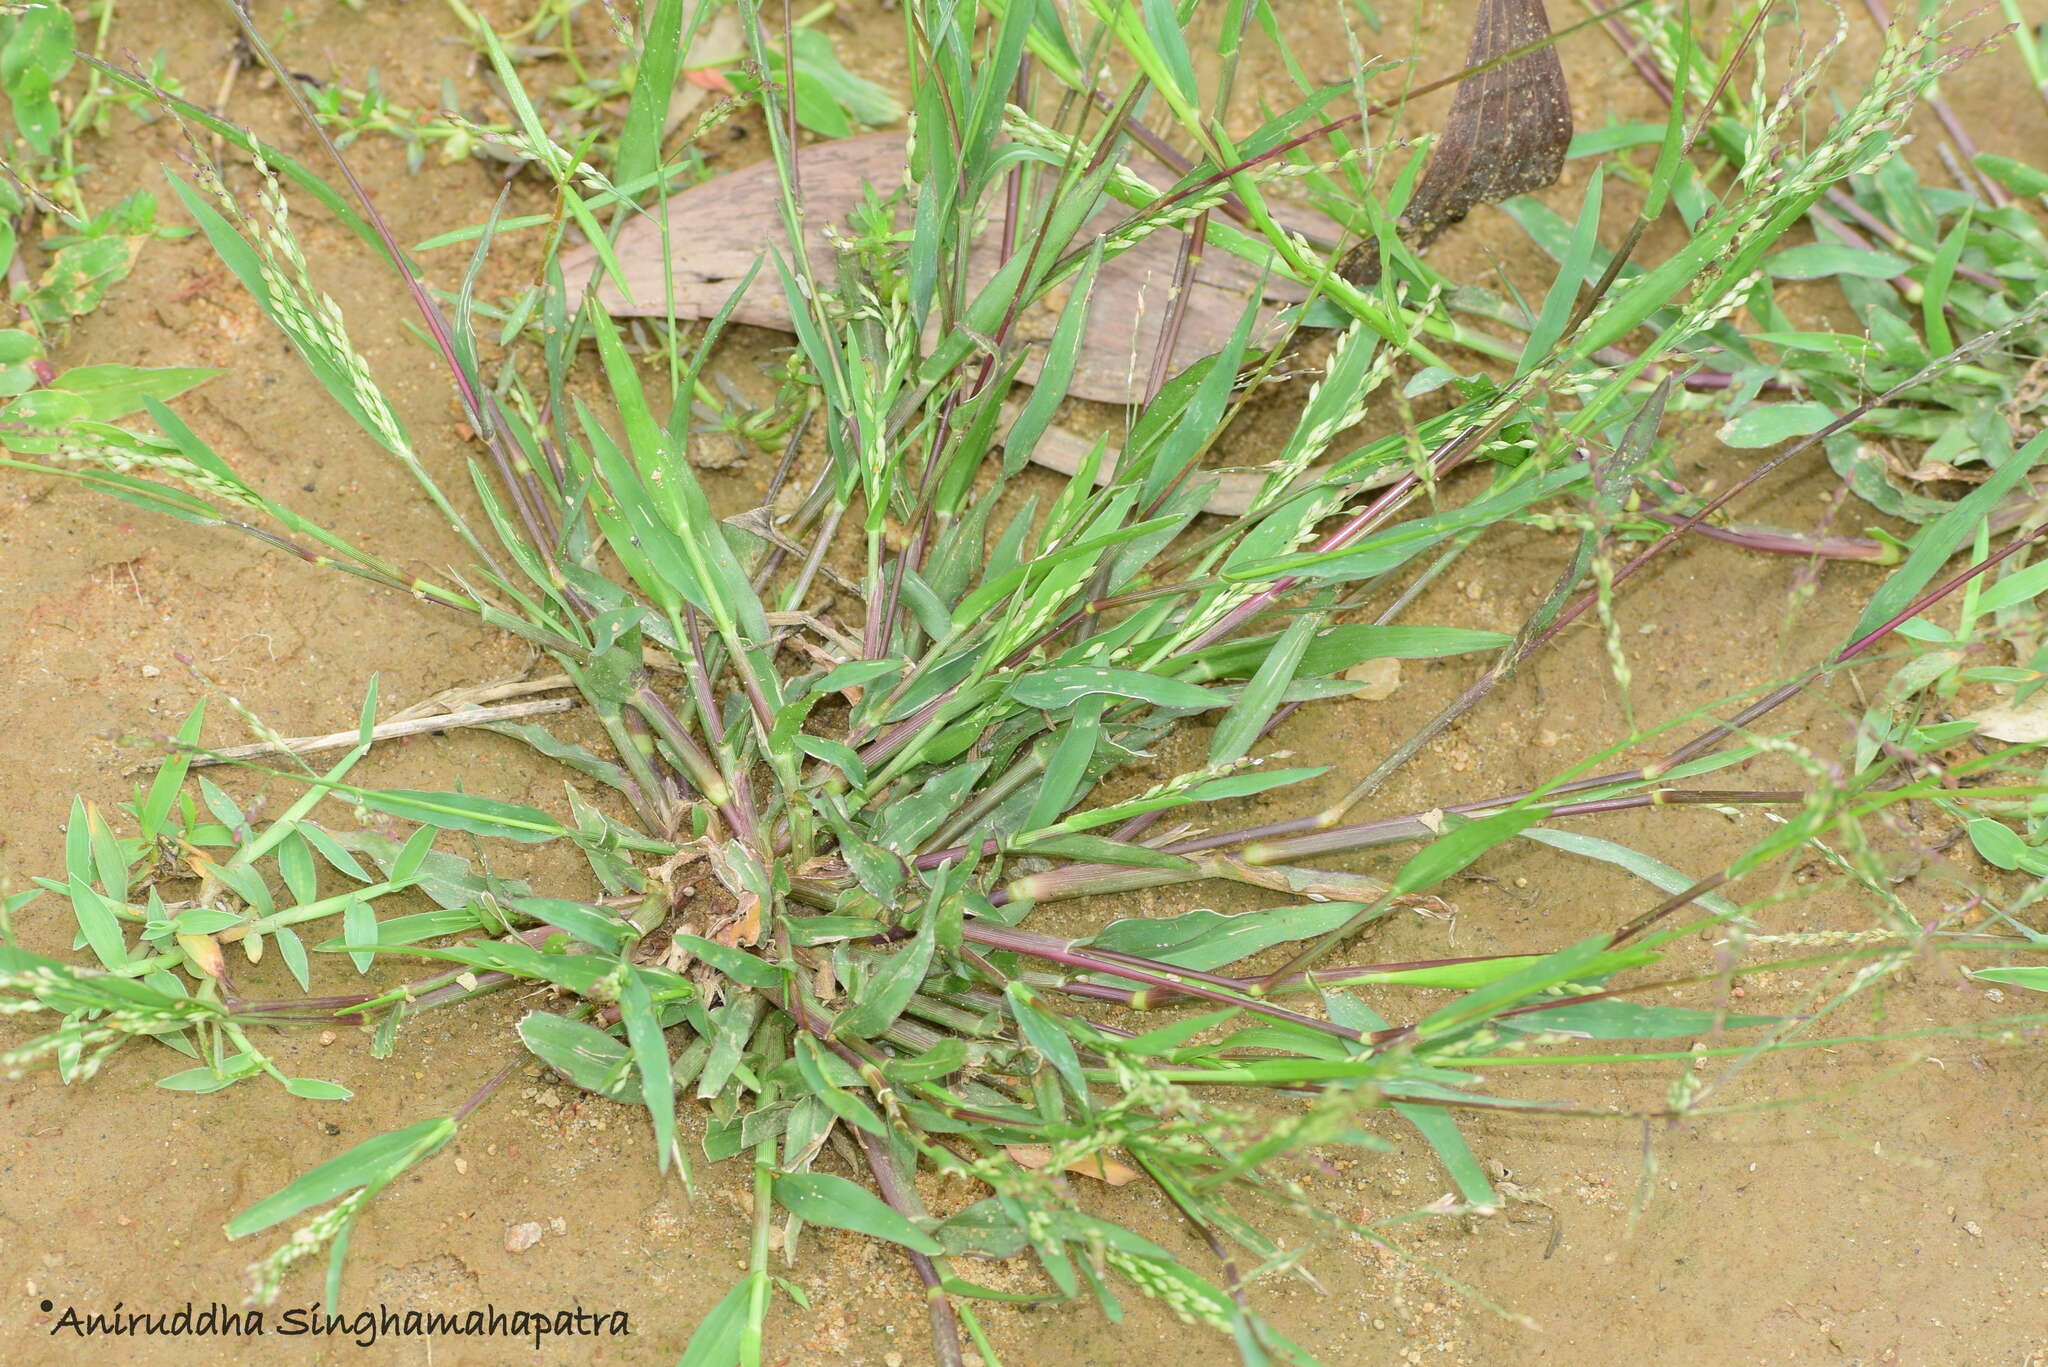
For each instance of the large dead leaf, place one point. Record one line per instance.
(1095, 1165)
(1506, 133)
(718, 230)
(2017, 723)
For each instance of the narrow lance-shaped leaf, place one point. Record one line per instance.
(1254, 707)
(373, 1160)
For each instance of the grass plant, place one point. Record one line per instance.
(871, 805)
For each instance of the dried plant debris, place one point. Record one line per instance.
(698, 247)
(1506, 135)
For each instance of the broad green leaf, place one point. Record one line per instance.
(889, 987)
(1045, 1036)
(715, 1342)
(107, 392)
(1207, 940)
(463, 812)
(2032, 977)
(1943, 538)
(819, 1198)
(1052, 689)
(1770, 423)
(1331, 650)
(203, 1080)
(1817, 260)
(1565, 965)
(650, 1056)
(99, 925)
(1630, 1020)
(1460, 845)
(1102, 850)
(1997, 842)
(1254, 707)
(2015, 176)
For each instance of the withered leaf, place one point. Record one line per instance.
(1506, 133)
(2019, 723)
(718, 230)
(1095, 1165)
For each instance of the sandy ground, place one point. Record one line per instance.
(1896, 1213)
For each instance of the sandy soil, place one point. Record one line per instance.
(1897, 1213)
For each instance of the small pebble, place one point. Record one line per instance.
(520, 1237)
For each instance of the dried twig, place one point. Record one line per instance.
(390, 730)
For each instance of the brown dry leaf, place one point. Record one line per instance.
(1382, 678)
(204, 952)
(718, 42)
(1322, 885)
(1931, 471)
(1098, 1166)
(2017, 723)
(718, 230)
(1436, 908)
(743, 926)
(1506, 133)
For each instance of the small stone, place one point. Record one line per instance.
(558, 1225)
(462, 1167)
(327, 1037)
(150, 671)
(1546, 738)
(549, 1098)
(1382, 678)
(520, 1237)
